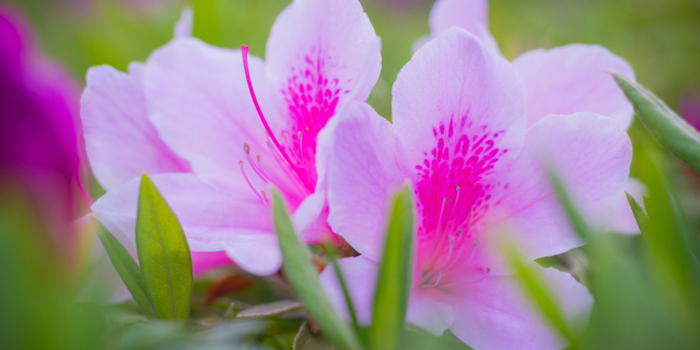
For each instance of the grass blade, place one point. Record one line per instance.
(304, 280)
(394, 279)
(126, 267)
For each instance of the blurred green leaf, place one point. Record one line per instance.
(305, 340)
(126, 267)
(166, 263)
(348, 299)
(303, 277)
(575, 219)
(535, 288)
(270, 309)
(669, 129)
(638, 212)
(394, 278)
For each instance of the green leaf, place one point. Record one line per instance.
(669, 129)
(638, 212)
(536, 289)
(270, 309)
(166, 263)
(126, 267)
(394, 279)
(303, 278)
(575, 219)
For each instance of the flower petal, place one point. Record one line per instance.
(454, 78)
(330, 40)
(625, 222)
(120, 141)
(206, 261)
(591, 154)
(427, 309)
(183, 27)
(212, 220)
(471, 15)
(201, 105)
(360, 274)
(574, 78)
(361, 178)
(495, 314)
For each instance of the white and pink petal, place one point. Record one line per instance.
(574, 78)
(213, 220)
(496, 314)
(120, 141)
(363, 174)
(454, 87)
(470, 15)
(591, 154)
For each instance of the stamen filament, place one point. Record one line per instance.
(240, 163)
(244, 51)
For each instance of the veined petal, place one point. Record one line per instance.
(591, 154)
(213, 220)
(120, 141)
(427, 309)
(200, 103)
(574, 78)
(453, 82)
(362, 176)
(495, 313)
(471, 15)
(331, 41)
(321, 54)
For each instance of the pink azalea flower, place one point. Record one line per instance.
(563, 80)
(186, 116)
(39, 149)
(462, 137)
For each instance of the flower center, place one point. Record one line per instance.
(311, 99)
(454, 193)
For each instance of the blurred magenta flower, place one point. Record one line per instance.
(462, 136)
(186, 117)
(563, 80)
(39, 150)
(689, 107)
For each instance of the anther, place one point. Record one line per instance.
(246, 148)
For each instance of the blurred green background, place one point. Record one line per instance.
(660, 38)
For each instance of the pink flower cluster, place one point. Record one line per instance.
(473, 133)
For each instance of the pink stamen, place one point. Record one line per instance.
(260, 167)
(437, 276)
(240, 163)
(282, 164)
(246, 148)
(244, 51)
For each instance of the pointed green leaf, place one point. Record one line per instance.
(166, 263)
(534, 286)
(303, 277)
(638, 212)
(394, 279)
(126, 267)
(270, 309)
(669, 129)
